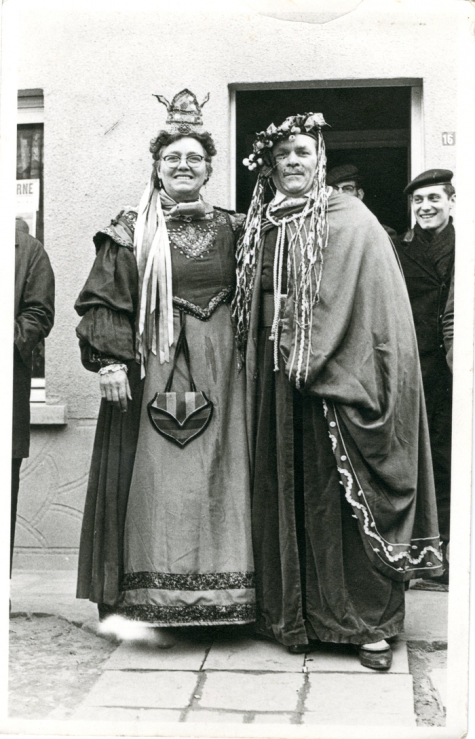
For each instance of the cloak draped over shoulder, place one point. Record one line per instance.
(363, 363)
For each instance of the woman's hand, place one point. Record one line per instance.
(115, 388)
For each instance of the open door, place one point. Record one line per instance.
(370, 127)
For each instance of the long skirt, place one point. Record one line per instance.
(188, 550)
(314, 579)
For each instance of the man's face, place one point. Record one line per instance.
(295, 165)
(432, 207)
(349, 187)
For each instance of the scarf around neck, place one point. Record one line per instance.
(152, 251)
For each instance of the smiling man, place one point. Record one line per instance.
(427, 254)
(343, 492)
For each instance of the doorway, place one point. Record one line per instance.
(370, 127)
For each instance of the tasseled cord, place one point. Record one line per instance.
(305, 274)
(278, 265)
(247, 251)
(152, 251)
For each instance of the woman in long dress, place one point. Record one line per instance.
(166, 533)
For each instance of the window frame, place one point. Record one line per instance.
(30, 110)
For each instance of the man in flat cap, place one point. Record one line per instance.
(346, 179)
(427, 254)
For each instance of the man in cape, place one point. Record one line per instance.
(343, 495)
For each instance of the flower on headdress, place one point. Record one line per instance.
(314, 119)
(293, 125)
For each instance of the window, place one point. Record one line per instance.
(29, 210)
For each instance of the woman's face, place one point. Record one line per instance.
(182, 168)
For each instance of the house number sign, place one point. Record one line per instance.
(448, 138)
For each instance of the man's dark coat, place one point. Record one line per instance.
(34, 316)
(427, 262)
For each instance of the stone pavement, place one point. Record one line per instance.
(227, 676)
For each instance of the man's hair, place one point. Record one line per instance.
(449, 189)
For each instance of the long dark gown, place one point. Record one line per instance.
(314, 579)
(166, 535)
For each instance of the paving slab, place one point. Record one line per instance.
(39, 582)
(337, 698)
(52, 592)
(145, 656)
(272, 718)
(143, 689)
(252, 654)
(358, 718)
(344, 658)
(438, 678)
(426, 616)
(100, 713)
(249, 692)
(215, 717)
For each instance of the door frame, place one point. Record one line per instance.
(416, 149)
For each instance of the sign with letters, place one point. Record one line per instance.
(28, 202)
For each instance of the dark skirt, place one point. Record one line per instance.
(314, 579)
(101, 565)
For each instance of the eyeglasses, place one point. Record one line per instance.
(349, 189)
(192, 160)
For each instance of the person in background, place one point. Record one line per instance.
(427, 254)
(448, 324)
(343, 508)
(346, 179)
(34, 318)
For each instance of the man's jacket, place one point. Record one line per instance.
(427, 263)
(34, 317)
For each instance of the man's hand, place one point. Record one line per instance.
(115, 388)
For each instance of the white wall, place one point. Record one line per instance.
(98, 71)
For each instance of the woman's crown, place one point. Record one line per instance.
(184, 112)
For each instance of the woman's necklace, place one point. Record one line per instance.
(194, 239)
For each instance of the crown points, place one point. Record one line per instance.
(184, 112)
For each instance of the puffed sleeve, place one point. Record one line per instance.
(107, 304)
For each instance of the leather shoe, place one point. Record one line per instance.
(380, 660)
(298, 648)
(304, 648)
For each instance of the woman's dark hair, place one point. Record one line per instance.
(165, 138)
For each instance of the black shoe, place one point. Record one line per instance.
(303, 648)
(298, 648)
(380, 660)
